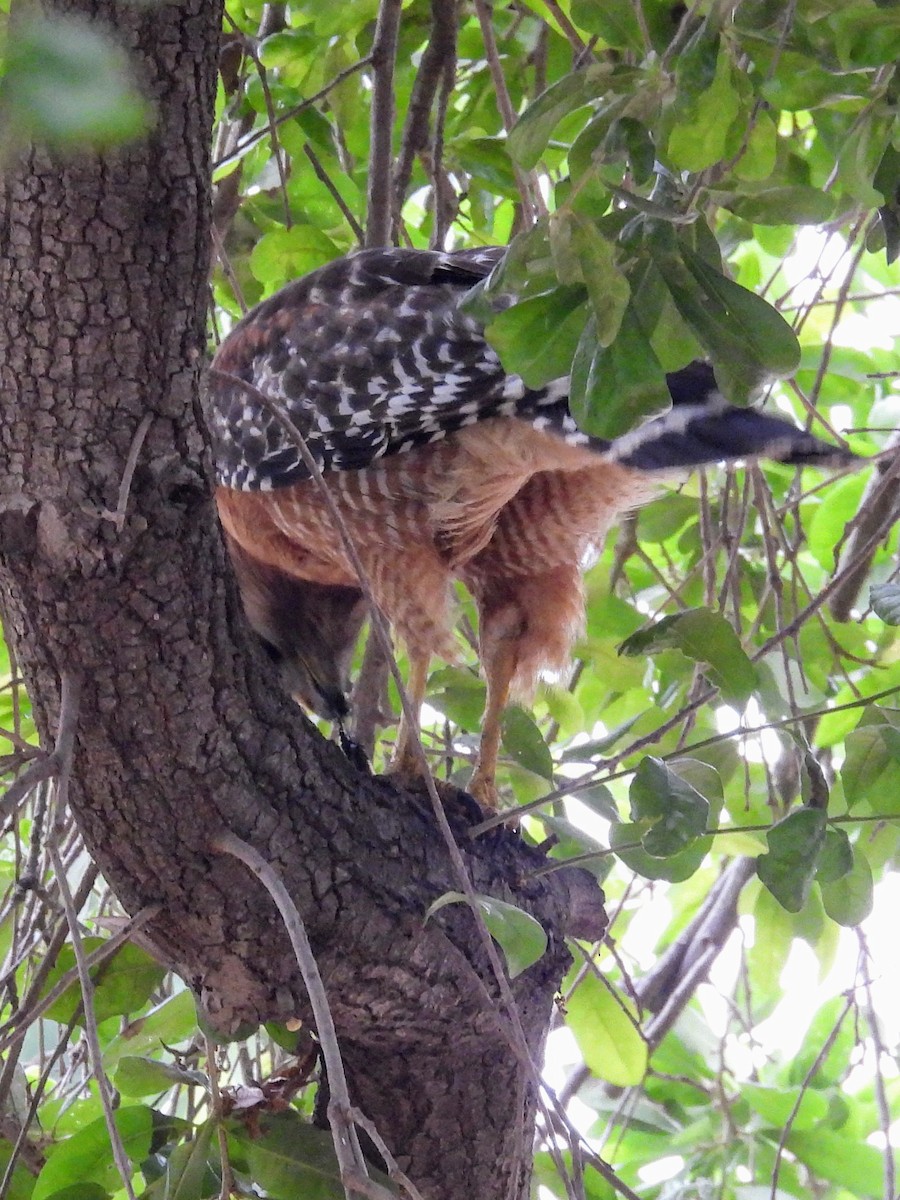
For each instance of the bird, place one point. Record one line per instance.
(443, 466)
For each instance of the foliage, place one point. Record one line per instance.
(68, 84)
(724, 184)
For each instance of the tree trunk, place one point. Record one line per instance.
(180, 734)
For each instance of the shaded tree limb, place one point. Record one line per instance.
(438, 61)
(381, 127)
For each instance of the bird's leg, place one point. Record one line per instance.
(499, 669)
(406, 758)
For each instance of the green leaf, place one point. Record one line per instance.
(836, 858)
(531, 133)
(855, 1166)
(838, 506)
(785, 206)
(524, 742)
(848, 899)
(834, 1067)
(789, 867)
(700, 135)
(123, 984)
(776, 1104)
(171, 1022)
(284, 254)
(138, 1076)
(614, 387)
(521, 938)
(871, 769)
(612, 20)
(87, 1155)
(289, 1158)
(80, 1191)
(192, 1172)
(771, 339)
(459, 695)
(761, 152)
(583, 255)
(885, 600)
(537, 338)
(678, 812)
(20, 1183)
(773, 939)
(626, 839)
(717, 330)
(602, 1021)
(800, 82)
(69, 83)
(704, 637)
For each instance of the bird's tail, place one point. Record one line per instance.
(702, 427)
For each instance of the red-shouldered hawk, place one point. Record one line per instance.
(442, 466)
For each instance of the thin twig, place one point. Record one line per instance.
(212, 1072)
(324, 178)
(21, 1143)
(569, 30)
(92, 1037)
(801, 1094)
(531, 196)
(13, 1047)
(879, 508)
(277, 151)
(446, 202)
(32, 1011)
(438, 58)
(291, 113)
(60, 755)
(346, 1143)
(394, 1172)
(39, 770)
(230, 274)
(881, 1054)
(118, 517)
(64, 750)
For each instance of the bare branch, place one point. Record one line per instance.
(346, 1143)
(438, 63)
(65, 745)
(384, 53)
(212, 1071)
(323, 177)
(248, 142)
(882, 1055)
(32, 1011)
(879, 508)
(531, 196)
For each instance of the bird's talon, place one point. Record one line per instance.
(485, 791)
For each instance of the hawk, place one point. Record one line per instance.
(443, 466)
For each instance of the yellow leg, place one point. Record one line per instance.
(499, 670)
(406, 758)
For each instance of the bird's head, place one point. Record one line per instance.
(308, 630)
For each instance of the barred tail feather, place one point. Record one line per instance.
(703, 428)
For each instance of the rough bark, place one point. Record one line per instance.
(103, 283)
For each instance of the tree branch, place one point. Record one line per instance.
(346, 1143)
(381, 126)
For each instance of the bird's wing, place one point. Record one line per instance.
(372, 355)
(368, 356)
